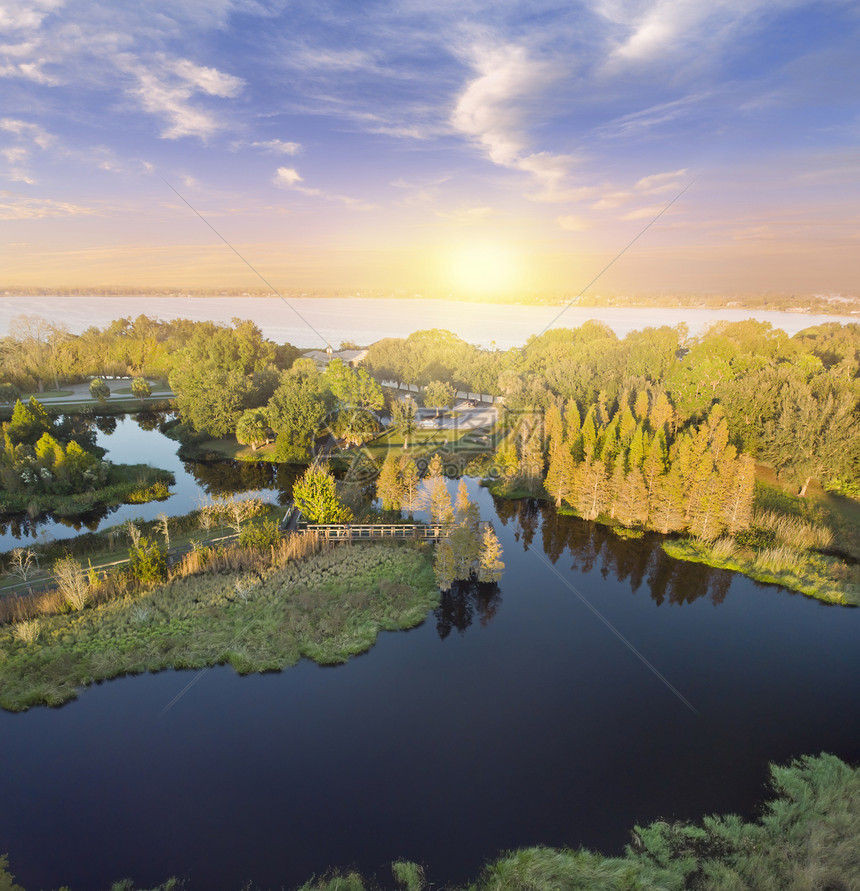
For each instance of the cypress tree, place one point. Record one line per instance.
(572, 420)
(411, 480)
(389, 484)
(560, 480)
(640, 405)
(443, 565)
(490, 565)
(738, 503)
(589, 435)
(655, 460)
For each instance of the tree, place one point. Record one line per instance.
(411, 480)
(29, 422)
(99, 389)
(490, 565)
(22, 562)
(560, 480)
(235, 511)
(296, 411)
(147, 561)
(443, 566)
(389, 484)
(439, 394)
(140, 388)
(315, 495)
(72, 582)
(403, 418)
(253, 428)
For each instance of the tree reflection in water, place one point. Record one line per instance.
(637, 560)
(234, 477)
(459, 605)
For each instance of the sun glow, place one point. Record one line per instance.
(484, 269)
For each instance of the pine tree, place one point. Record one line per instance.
(411, 482)
(640, 405)
(591, 489)
(626, 424)
(633, 500)
(667, 510)
(662, 415)
(462, 502)
(636, 452)
(389, 484)
(490, 565)
(655, 460)
(435, 468)
(553, 428)
(589, 435)
(506, 459)
(443, 565)
(441, 510)
(740, 491)
(616, 483)
(572, 420)
(560, 480)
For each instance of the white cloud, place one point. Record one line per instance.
(287, 176)
(493, 111)
(661, 182)
(27, 131)
(165, 87)
(19, 15)
(277, 146)
(208, 80)
(13, 207)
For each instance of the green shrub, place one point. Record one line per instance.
(260, 535)
(148, 561)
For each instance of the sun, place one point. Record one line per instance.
(484, 269)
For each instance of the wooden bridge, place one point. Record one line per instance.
(375, 531)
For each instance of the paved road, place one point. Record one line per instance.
(81, 393)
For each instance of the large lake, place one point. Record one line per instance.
(311, 322)
(500, 722)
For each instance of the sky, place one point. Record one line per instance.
(466, 148)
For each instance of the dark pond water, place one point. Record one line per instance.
(136, 439)
(504, 720)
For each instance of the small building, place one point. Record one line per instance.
(353, 358)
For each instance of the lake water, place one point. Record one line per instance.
(311, 322)
(129, 443)
(502, 721)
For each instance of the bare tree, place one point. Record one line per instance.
(237, 510)
(22, 562)
(72, 581)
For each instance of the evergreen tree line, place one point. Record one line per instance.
(630, 464)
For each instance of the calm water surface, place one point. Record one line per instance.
(504, 720)
(366, 320)
(127, 442)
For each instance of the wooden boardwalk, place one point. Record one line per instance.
(376, 531)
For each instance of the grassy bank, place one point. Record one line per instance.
(125, 484)
(257, 612)
(807, 839)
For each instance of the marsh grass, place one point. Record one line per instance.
(816, 575)
(28, 630)
(323, 602)
(794, 531)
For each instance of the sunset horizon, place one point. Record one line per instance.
(467, 150)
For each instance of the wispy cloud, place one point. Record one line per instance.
(165, 86)
(19, 207)
(274, 146)
(290, 178)
(493, 112)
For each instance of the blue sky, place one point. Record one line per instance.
(432, 145)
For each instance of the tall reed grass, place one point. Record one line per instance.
(794, 531)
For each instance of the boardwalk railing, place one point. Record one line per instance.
(372, 531)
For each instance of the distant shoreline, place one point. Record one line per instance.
(810, 304)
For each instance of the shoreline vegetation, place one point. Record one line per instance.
(257, 608)
(806, 839)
